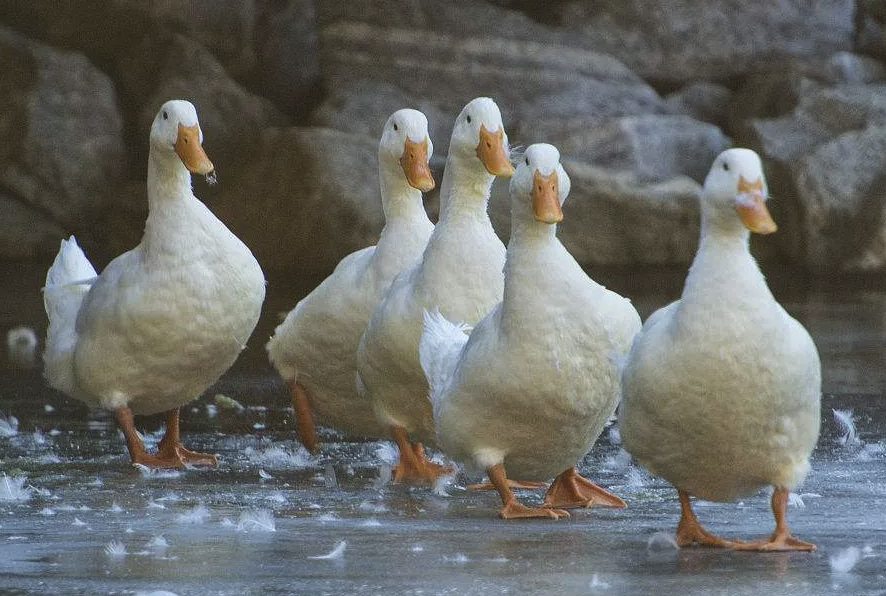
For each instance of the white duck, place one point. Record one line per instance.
(315, 348)
(460, 271)
(164, 320)
(533, 386)
(722, 388)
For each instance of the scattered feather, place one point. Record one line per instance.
(14, 489)
(264, 475)
(845, 560)
(329, 477)
(597, 583)
(261, 520)
(229, 403)
(845, 421)
(147, 472)
(198, 515)
(21, 346)
(661, 541)
(277, 457)
(795, 500)
(336, 553)
(48, 409)
(116, 549)
(47, 511)
(78, 522)
(115, 508)
(158, 542)
(211, 410)
(8, 426)
(417, 548)
(387, 452)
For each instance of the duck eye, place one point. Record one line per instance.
(725, 166)
(396, 127)
(527, 161)
(165, 115)
(468, 118)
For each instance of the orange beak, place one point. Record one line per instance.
(546, 198)
(189, 150)
(492, 152)
(414, 162)
(752, 209)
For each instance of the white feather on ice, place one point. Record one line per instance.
(336, 553)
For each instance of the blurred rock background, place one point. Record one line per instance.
(639, 96)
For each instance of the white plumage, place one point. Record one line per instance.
(722, 388)
(535, 382)
(163, 321)
(316, 345)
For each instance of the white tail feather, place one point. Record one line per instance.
(438, 351)
(67, 282)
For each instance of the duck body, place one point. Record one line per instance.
(722, 388)
(537, 378)
(460, 272)
(528, 392)
(168, 318)
(727, 375)
(316, 345)
(164, 320)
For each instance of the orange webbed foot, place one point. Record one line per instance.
(570, 490)
(516, 510)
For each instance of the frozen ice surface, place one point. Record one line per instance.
(400, 540)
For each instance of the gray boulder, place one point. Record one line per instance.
(827, 160)
(614, 218)
(62, 142)
(684, 40)
(308, 197)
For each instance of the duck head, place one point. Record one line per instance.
(405, 141)
(177, 130)
(540, 185)
(480, 133)
(735, 184)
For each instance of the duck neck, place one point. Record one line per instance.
(400, 201)
(464, 191)
(723, 259)
(169, 188)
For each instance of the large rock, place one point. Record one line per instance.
(683, 40)
(180, 68)
(62, 142)
(827, 160)
(448, 53)
(653, 147)
(614, 218)
(307, 198)
(286, 46)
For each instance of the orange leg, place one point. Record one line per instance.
(781, 539)
(304, 417)
(414, 466)
(513, 509)
(689, 530)
(570, 490)
(171, 445)
(170, 453)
